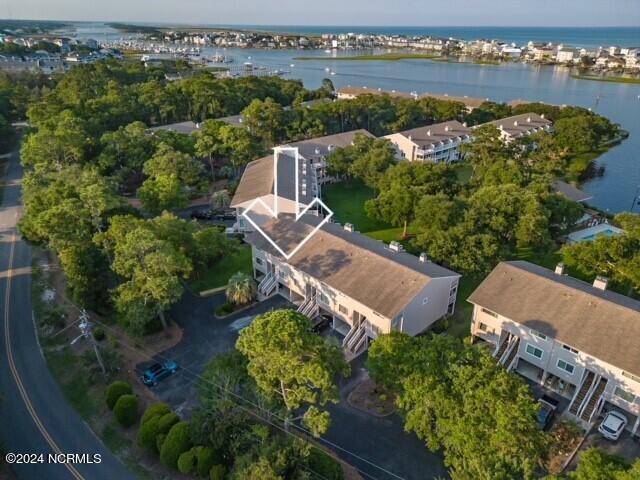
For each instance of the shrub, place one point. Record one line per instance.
(206, 457)
(325, 465)
(166, 421)
(148, 433)
(160, 441)
(225, 309)
(126, 410)
(115, 391)
(153, 410)
(178, 441)
(187, 461)
(98, 334)
(217, 472)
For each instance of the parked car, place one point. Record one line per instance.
(547, 411)
(158, 371)
(226, 216)
(202, 214)
(613, 425)
(320, 322)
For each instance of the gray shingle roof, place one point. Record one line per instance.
(436, 133)
(600, 323)
(358, 266)
(519, 125)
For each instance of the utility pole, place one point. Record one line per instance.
(87, 332)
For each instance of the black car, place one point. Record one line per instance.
(547, 411)
(202, 214)
(320, 322)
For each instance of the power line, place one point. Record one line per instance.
(298, 427)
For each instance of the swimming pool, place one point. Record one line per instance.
(592, 233)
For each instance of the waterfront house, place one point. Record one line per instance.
(470, 103)
(433, 143)
(580, 340)
(365, 286)
(349, 93)
(258, 178)
(518, 126)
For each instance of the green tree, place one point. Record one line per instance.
(266, 119)
(241, 289)
(594, 464)
(617, 257)
(371, 165)
(292, 365)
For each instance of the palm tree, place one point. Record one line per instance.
(241, 289)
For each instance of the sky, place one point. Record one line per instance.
(336, 12)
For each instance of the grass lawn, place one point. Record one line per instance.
(218, 275)
(602, 78)
(389, 57)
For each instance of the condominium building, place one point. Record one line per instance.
(259, 178)
(364, 286)
(433, 143)
(518, 126)
(578, 339)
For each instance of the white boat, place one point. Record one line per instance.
(327, 69)
(327, 51)
(332, 72)
(292, 65)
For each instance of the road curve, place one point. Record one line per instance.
(34, 415)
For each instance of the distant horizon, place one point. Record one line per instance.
(340, 25)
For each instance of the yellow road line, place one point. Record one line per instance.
(23, 393)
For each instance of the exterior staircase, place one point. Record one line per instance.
(513, 352)
(267, 285)
(502, 347)
(309, 307)
(356, 341)
(587, 383)
(594, 400)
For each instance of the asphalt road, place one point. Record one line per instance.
(34, 415)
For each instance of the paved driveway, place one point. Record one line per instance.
(626, 446)
(379, 447)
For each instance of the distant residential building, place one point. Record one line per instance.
(518, 126)
(470, 103)
(578, 339)
(567, 55)
(436, 143)
(349, 92)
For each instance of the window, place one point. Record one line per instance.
(489, 312)
(425, 300)
(323, 298)
(453, 290)
(623, 394)
(282, 274)
(569, 349)
(533, 351)
(566, 366)
(482, 327)
(538, 334)
(259, 261)
(342, 309)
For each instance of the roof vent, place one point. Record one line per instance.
(601, 282)
(348, 227)
(317, 150)
(424, 258)
(240, 120)
(501, 127)
(528, 119)
(542, 115)
(446, 128)
(560, 268)
(429, 133)
(464, 124)
(331, 148)
(395, 246)
(515, 123)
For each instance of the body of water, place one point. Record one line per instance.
(620, 102)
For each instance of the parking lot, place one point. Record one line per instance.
(379, 447)
(626, 446)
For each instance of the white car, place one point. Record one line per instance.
(613, 425)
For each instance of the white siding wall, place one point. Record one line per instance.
(552, 352)
(418, 316)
